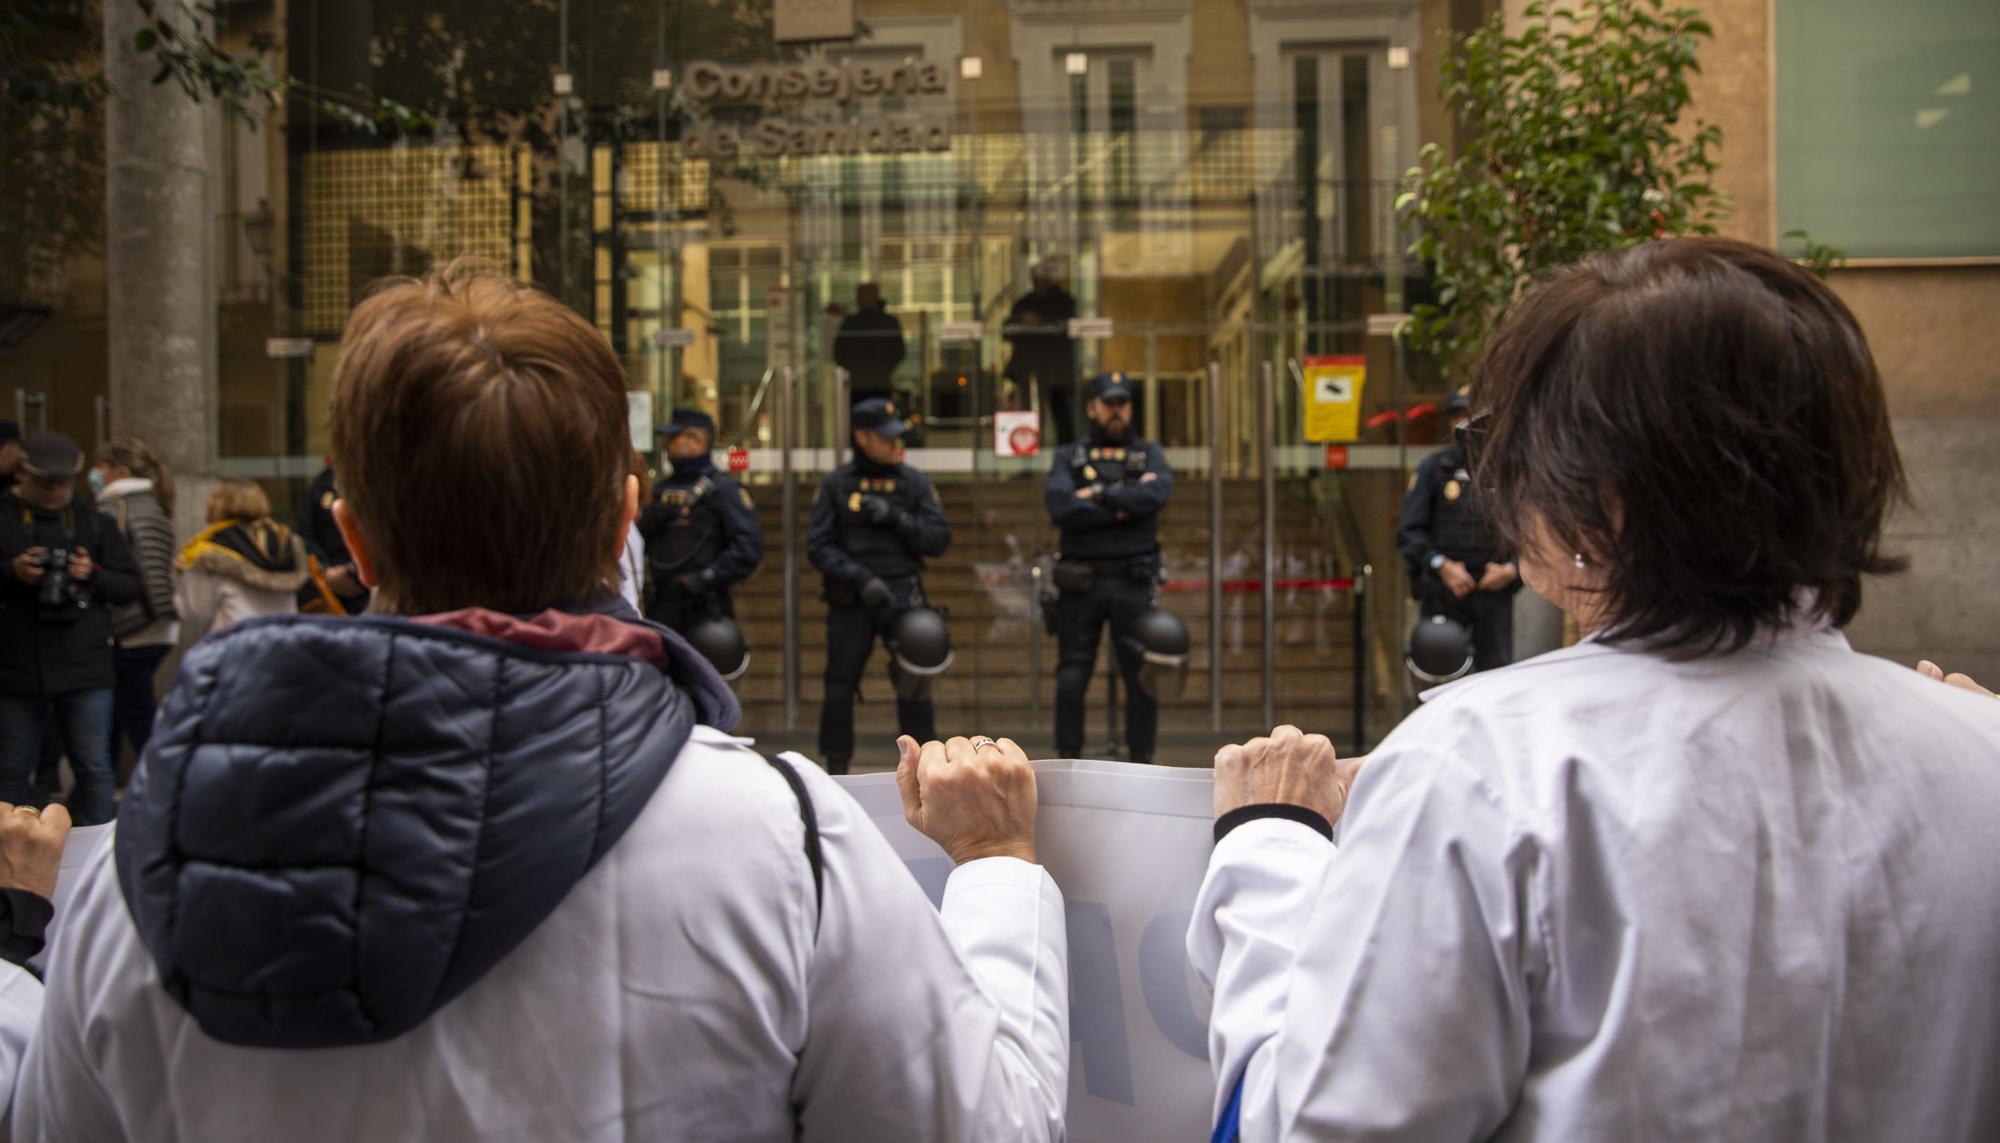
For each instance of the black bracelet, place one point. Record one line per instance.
(1283, 810)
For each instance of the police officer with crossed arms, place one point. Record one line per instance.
(1105, 493)
(701, 534)
(874, 522)
(1458, 567)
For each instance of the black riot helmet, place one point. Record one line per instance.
(1440, 649)
(1162, 641)
(920, 643)
(721, 642)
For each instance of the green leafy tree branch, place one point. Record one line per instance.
(1573, 140)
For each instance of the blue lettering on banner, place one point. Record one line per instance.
(931, 873)
(1163, 980)
(1098, 1025)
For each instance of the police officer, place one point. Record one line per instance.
(700, 529)
(874, 522)
(1458, 567)
(1105, 493)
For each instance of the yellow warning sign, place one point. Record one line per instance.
(1333, 397)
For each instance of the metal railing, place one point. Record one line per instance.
(757, 399)
(788, 506)
(1215, 516)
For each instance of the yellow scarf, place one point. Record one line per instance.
(204, 543)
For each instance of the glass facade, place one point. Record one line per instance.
(1211, 183)
(1215, 180)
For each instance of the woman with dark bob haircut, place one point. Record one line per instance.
(1708, 874)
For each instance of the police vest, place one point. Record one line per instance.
(880, 549)
(693, 538)
(1458, 526)
(1095, 463)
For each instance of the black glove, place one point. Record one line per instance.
(877, 510)
(875, 593)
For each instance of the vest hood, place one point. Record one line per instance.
(341, 824)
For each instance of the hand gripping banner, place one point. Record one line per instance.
(1128, 845)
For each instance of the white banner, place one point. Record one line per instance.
(1128, 845)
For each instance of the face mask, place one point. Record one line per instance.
(97, 482)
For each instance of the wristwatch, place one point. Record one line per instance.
(1437, 560)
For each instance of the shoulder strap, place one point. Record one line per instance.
(811, 820)
(700, 491)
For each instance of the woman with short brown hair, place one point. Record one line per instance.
(1708, 874)
(244, 564)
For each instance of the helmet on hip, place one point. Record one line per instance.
(920, 650)
(721, 642)
(1440, 649)
(1161, 640)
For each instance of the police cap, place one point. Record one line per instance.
(879, 415)
(1110, 386)
(681, 420)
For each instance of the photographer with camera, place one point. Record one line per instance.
(62, 566)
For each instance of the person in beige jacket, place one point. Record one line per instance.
(244, 564)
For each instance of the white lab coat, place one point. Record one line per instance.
(20, 1013)
(678, 992)
(1602, 895)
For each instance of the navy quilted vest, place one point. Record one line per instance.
(341, 824)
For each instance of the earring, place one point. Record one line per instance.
(1581, 563)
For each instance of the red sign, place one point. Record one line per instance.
(1016, 433)
(1336, 456)
(739, 460)
(1025, 440)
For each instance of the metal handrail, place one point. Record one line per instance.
(789, 527)
(1363, 635)
(1268, 478)
(757, 402)
(1215, 516)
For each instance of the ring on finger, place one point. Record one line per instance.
(28, 810)
(981, 742)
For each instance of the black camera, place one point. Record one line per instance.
(60, 598)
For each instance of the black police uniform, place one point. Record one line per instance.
(1442, 520)
(1109, 571)
(702, 539)
(850, 551)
